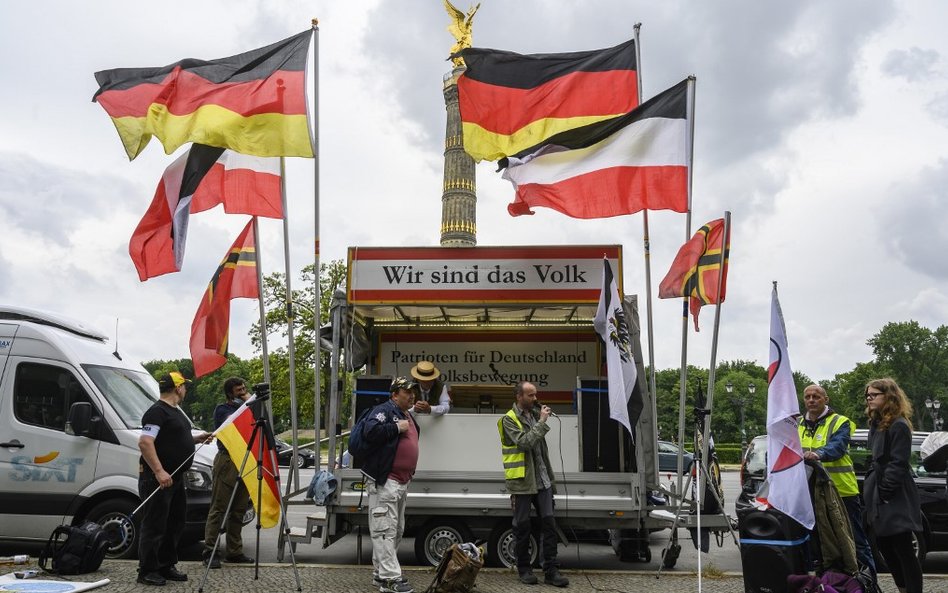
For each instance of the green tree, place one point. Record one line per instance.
(332, 277)
(917, 358)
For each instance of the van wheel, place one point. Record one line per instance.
(122, 532)
(918, 543)
(502, 547)
(436, 537)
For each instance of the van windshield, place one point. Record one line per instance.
(129, 392)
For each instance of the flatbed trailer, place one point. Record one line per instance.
(484, 335)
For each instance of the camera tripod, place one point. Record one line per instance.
(262, 437)
(703, 478)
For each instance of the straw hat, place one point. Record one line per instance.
(425, 371)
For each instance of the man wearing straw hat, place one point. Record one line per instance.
(430, 388)
(167, 448)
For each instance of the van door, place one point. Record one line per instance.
(41, 467)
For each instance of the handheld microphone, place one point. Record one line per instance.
(552, 413)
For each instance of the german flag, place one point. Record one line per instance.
(510, 102)
(235, 278)
(235, 433)
(254, 102)
(694, 273)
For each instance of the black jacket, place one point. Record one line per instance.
(892, 504)
(381, 433)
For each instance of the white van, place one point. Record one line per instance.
(70, 418)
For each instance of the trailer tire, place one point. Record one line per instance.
(113, 516)
(436, 536)
(501, 550)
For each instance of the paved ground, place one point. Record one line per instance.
(274, 578)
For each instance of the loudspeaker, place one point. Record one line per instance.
(772, 548)
(370, 391)
(606, 444)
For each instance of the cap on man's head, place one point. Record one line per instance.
(425, 371)
(169, 381)
(401, 383)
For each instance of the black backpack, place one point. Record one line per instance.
(75, 549)
(358, 446)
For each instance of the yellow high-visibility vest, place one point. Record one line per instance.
(841, 470)
(515, 460)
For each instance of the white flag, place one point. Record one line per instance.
(785, 470)
(613, 328)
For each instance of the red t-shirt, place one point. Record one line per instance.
(406, 455)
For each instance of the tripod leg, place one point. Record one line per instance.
(673, 539)
(230, 503)
(285, 528)
(714, 493)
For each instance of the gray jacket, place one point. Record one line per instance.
(525, 439)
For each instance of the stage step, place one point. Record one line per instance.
(315, 523)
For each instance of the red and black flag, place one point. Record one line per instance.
(198, 180)
(254, 102)
(235, 278)
(510, 102)
(694, 273)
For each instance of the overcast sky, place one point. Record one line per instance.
(822, 127)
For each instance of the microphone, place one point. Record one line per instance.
(552, 413)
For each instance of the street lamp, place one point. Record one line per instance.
(933, 406)
(740, 401)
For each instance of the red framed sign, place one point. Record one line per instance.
(479, 275)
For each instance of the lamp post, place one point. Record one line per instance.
(740, 401)
(933, 406)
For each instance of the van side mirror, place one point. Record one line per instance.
(79, 421)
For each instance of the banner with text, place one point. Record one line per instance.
(445, 275)
(549, 360)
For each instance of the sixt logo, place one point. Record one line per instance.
(25, 469)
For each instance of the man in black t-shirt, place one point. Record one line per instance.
(167, 447)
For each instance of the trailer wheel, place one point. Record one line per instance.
(437, 535)
(502, 547)
(121, 531)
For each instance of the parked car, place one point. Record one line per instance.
(931, 485)
(668, 457)
(304, 455)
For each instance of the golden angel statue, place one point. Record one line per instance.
(460, 27)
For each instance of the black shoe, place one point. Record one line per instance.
(239, 559)
(553, 577)
(151, 578)
(173, 574)
(528, 578)
(215, 562)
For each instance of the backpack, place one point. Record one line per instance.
(457, 570)
(358, 444)
(75, 549)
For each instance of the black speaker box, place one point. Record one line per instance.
(370, 391)
(606, 445)
(772, 548)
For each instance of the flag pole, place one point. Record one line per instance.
(317, 401)
(264, 354)
(290, 333)
(645, 243)
(683, 376)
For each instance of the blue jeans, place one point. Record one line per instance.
(863, 549)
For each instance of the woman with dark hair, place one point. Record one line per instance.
(892, 506)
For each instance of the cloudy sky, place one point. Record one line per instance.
(822, 127)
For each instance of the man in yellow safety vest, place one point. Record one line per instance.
(825, 436)
(529, 480)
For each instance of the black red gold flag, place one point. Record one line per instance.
(254, 102)
(511, 101)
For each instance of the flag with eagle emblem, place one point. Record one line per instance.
(613, 327)
(785, 470)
